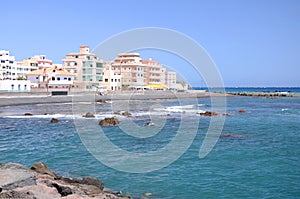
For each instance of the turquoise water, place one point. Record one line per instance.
(264, 164)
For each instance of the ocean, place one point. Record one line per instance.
(260, 160)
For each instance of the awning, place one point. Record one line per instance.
(157, 86)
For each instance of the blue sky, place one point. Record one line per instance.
(252, 42)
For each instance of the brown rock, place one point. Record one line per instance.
(101, 101)
(109, 122)
(42, 168)
(242, 111)
(54, 120)
(28, 114)
(209, 114)
(89, 115)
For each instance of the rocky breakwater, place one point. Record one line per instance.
(17, 181)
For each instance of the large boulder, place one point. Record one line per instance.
(109, 122)
(28, 114)
(42, 168)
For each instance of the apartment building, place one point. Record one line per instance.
(8, 70)
(87, 68)
(155, 73)
(129, 66)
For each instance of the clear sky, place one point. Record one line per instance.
(252, 42)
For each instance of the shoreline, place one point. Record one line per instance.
(19, 99)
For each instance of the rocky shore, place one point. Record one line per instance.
(17, 181)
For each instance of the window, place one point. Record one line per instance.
(106, 80)
(65, 78)
(76, 56)
(75, 63)
(69, 79)
(58, 78)
(112, 80)
(53, 78)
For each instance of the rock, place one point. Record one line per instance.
(209, 114)
(17, 194)
(54, 120)
(11, 178)
(101, 101)
(126, 113)
(225, 114)
(91, 181)
(28, 114)
(117, 112)
(89, 115)
(148, 194)
(232, 136)
(16, 181)
(42, 168)
(11, 165)
(242, 111)
(109, 122)
(62, 190)
(149, 124)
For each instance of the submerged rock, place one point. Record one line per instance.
(126, 113)
(232, 136)
(109, 122)
(242, 111)
(149, 124)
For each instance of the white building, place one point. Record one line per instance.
(7, 66)
(112, 81)
(15, 86)
(171, 80)
(53, 78)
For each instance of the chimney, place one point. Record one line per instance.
(84, 50)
